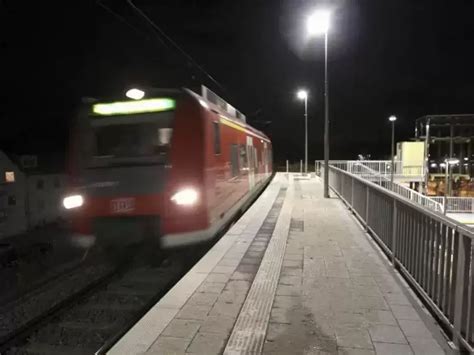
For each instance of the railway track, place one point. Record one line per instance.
(97, 314)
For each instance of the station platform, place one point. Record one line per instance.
(296, 274)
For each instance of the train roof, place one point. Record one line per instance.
(226, 111)
(213, 101)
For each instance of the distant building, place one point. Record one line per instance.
(30, 196)
(12, 198)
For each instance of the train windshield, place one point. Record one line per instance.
(131, 139)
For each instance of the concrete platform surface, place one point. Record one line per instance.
(295, 275)
(466, 218)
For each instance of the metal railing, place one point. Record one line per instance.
(376, 172)
(456, 204)
(292, 167)
(414, 196)
(381, 167)
(432, 251)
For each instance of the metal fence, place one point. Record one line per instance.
(456, 204)
(414, 196)
(432, 251)
(376, 172)
(379, 167)
(296, 166)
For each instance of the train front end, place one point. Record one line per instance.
(123, 189)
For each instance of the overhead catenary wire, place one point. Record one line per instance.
(158, 31)
(122, 19)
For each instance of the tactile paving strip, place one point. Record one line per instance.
(252, 259)
(248, 335)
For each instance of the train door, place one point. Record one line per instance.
(251, 162)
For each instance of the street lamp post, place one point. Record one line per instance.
(303, 95)
(318, 23)
(392, 119)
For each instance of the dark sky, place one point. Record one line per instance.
(405, 57)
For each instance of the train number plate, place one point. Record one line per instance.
(121, 205)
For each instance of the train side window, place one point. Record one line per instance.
(217, 138)
(243, 157)
(234, 159)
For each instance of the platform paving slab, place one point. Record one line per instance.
(336, 293)
(201, 293)
(319, 285)
(349, 301)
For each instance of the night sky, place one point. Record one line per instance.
(402, 57)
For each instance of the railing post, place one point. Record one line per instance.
(462, 275)
(394, 231)
(367, 199)
(343, 177)
(301, 166)
(352, 192)
(287, 166)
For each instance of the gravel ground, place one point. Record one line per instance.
(17, 313)
(28, 260)
(95, 319)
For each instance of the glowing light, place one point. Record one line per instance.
(185, 197)
(203, 103)
(466, 158)
(302, 94)
(433, 165)
(9, 176)
(135, 94)
(73, 201)
(140, 106)
(453, 161)
(318, 23)
(442, 165)
(392, 118)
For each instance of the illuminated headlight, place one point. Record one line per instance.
(185, 197)
(73, 201)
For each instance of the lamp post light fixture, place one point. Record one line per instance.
(303, 95)
(318, 24)
(392, 119)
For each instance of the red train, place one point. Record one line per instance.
(174, 168)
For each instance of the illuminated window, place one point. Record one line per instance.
(130, 107)
(9, 176)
